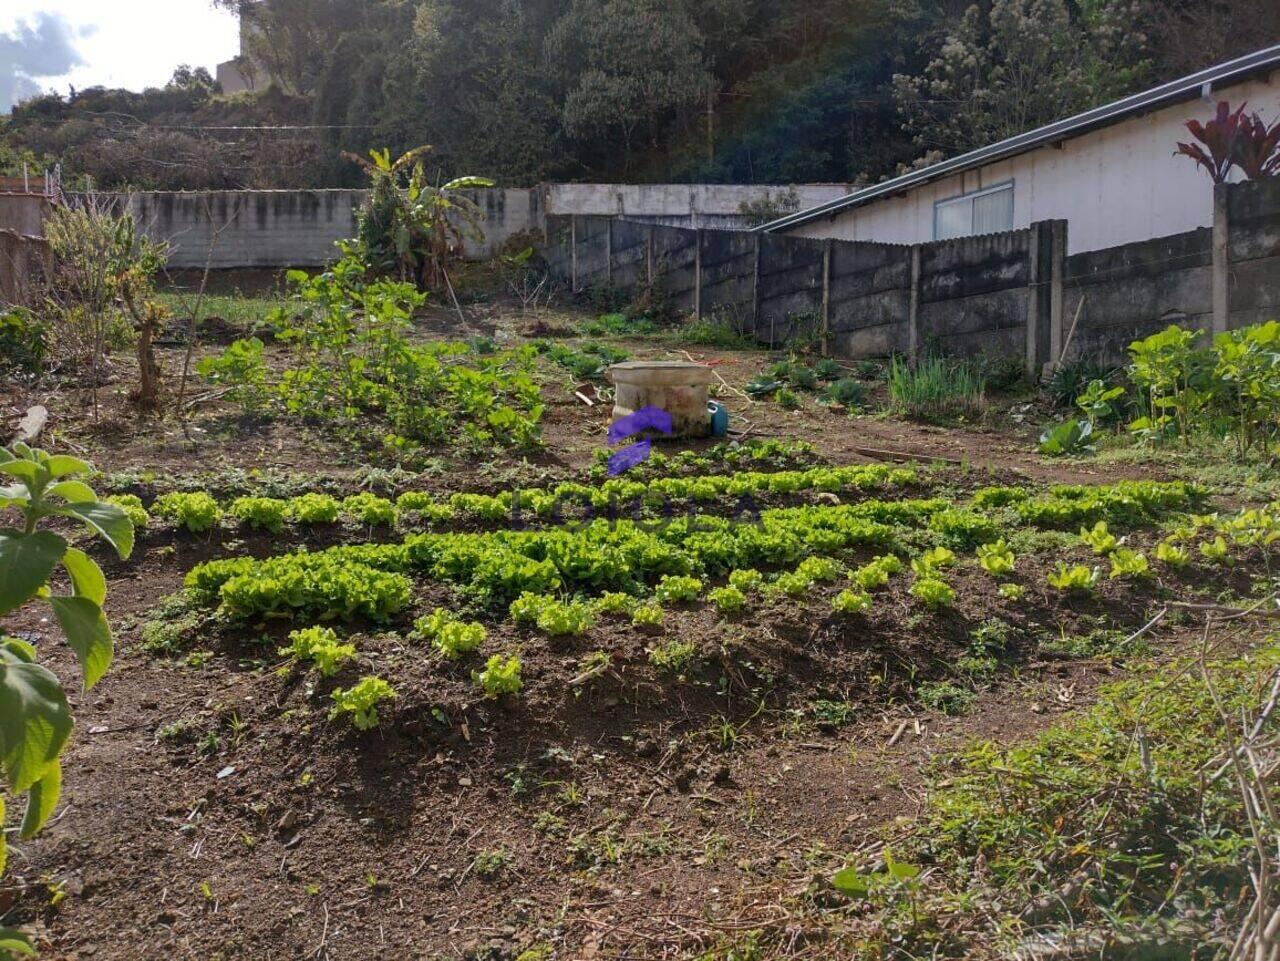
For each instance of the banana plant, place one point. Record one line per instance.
(35, 719)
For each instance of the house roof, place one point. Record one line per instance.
(1185, 88)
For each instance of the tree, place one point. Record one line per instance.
(1013, 65)
(628, 67)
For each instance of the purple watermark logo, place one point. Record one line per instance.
(624, 428)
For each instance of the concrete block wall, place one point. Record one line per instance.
(715, 206)
(1252, 213)
(295, 228)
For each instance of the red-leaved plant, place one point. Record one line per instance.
(1234, 139)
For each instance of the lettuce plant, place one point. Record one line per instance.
(851, 602)
(370, 509)
(314, 509)
(501, 675)
(1129, 564)
(197, 512)
(676, 588)
(1077, 580)
(1099, 538)
(320, 646)
(361, 701)
(747, 581)
(614, 603)
(1173, 555)
(450, 636)
(1215, 551)
(932, 561)
(933, 591)
(260, 513)
(728, 600)
(996, 559)
(674, 656)
(131, 504)
(647, 615)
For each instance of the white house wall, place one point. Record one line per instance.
(1115, 185)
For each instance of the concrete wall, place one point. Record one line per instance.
(24, 213)
(1016, 294)
(298, 228)
(292, 228)
(717, 206)
(1117, 185)
(25, 265)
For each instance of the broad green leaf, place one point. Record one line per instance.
(903, 872)
(14, 941)
(13, 649)
(71, 490)
(5, 456)
(35, 722)
(42, 799)
(465, 183)
(107, 519)
(60, 465)
(88, 634)
(24, 469)
(23, 451)
(86, 576)
(26, 561)
(852, 882)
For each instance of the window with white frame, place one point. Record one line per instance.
(986, 211)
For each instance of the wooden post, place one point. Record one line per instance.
(1033, 302)
(1221, 260)
(826, 298)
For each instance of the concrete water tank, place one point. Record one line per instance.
(679, 387)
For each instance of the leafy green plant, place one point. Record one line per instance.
(552, 616)
(1077, 579)
(131, 504)
(935, 388)
(197, 512)
(1099, 538)
(933, 591)
(449, 635)
(787, 399)
(677, 588)
(747, 581)
(673, 656)
(1069, 437)
(615, 603)
(862, 885)
(35, 718)
(996, 559)
(314, 509)
(1012, 592)
(370, 509)
(946, 697)
(1216, 551)
(933, 560)
(241, 369)
(320, 646)
(501, 675)
(1098, 402)
(260, 513)
(727, 600)
(361, 701)
(1173, 555)
(851, 602)
(647, 615)
(1129, 564)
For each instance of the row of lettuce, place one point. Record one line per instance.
(562, 580)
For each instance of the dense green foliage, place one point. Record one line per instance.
(715, 90)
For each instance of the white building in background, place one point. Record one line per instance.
(240, 73)
(1110, 171)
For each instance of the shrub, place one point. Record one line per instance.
(361, 702)
(22, 340)
(319, 645)
(847, 392)
(260, 513)
(314, 509)
(197, 512)
(501, 675)
(242, 370)
(936, 389)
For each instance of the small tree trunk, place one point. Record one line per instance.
(148, 321)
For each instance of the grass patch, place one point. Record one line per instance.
(936, 389)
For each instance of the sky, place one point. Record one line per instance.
(56, 44)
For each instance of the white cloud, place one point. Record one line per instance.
(123, 43)
(44, 47)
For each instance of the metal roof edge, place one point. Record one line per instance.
(1058, 130)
